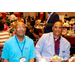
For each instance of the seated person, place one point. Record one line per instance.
(52, 43)
(22, 20)
(8, 22)
(19, 48)
(32, 32)
(4, 35)
(6, 27)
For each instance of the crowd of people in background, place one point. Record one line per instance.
(10, 21)
(22, 27)
(7, 26)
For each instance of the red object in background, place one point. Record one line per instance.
(41, 15)
(71, 40)
(40, 34)
(1, 48)
(3, 15)
(17, 14)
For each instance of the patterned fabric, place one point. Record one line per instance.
(3, 37)
(57, 45)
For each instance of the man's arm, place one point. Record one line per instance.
(35, 35)
(5, 60)
(31, 60)
(55, 19)
(67, 53)
(38, 49)
(32, 52)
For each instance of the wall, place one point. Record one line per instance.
(68, 14)
(29, 13)
(59, 13)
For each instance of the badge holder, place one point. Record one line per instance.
(22, 59)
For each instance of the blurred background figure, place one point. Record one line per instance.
(32, 32)
(8, 22)
(4, 35)
(1, 16)
(6, 27)
(12, 17)
(22, 20)
(52, 18)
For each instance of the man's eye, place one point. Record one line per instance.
(18, 27)
(59, 27)
(55, 27)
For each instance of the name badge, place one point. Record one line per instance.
(22, 59)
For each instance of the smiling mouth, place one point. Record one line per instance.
(21, 32)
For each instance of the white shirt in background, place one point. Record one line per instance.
(13, 17)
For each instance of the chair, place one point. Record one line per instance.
(1, 48)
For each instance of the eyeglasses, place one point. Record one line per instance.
(20, 27)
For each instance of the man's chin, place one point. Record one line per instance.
(57, 34)
(21, 35)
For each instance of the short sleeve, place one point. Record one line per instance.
(5, 54)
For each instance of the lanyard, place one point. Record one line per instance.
(19, 46)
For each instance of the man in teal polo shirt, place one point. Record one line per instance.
(19, 48)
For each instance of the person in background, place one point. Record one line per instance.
(52, 18)
(25, 21)
(6, 27)
(12, 17)
(8, 22)
(1, 16)
(4, 35)
(52, 43)
(32, 32)
(42, 20)
(32, 21)
(22, 20)
(33, 18)
(19, 48)
(29, 17)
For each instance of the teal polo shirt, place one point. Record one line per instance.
(12, 52)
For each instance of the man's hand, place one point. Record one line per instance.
(46, 24)
(31, 30)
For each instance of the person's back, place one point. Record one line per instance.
(12, 17)
(53, 17)
(8, 22)
(18, 48)
(3, 35)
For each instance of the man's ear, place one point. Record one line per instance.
(15, 29)
(52, 28)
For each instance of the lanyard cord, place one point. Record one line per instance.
(19, 46)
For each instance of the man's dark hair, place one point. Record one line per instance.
(1, 26)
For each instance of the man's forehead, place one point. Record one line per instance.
(20, 23)
(57, 23)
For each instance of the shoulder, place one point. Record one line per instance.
(65, 41)
(46, 35)
(55, 13)
(28, 39)
(11, 40)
